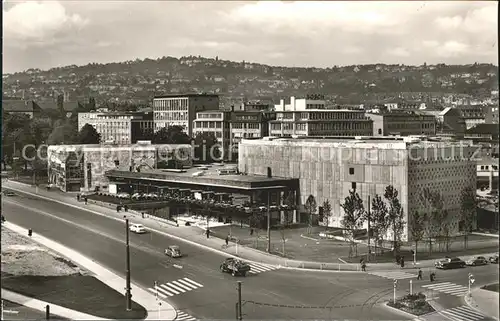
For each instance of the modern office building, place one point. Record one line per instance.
(181, 109)
(328, 169)
(402, 123)
(119, 127)
(82, 167)
(216, 122)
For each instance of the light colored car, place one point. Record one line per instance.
(478, 260)
(123, 195)
(173, 251)
(137, 228)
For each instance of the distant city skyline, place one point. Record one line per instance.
(293, 34)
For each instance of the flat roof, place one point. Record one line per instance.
(380, 142)
(210, 178)
(185, 95)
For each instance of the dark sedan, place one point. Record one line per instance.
(449, 263)
(478, 260)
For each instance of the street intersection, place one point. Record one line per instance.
(195, 286)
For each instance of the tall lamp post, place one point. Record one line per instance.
(128, 294)
(268, 223)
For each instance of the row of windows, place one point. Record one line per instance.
(410, 125)
(486, 167)
(315, 106)
(209, 116)
(246, 125)
(208, 124)
(172, 116)
(170, 104)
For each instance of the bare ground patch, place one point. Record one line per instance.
(22, 256)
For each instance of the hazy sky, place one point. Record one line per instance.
(321, 34)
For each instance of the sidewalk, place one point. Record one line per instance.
(55, 310)
(114, 281)
(196, 236)
(484, 301)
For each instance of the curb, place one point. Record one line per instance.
(180, 238)
(413, 316)
(13, 227)
(471, 303)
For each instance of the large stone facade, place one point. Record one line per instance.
(328, 169)
(88, 163)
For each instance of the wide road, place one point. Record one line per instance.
(271, 294)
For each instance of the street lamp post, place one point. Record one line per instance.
(268, 224)
(395, 285)
(128, 293)
(471, 281)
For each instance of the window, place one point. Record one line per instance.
(351, 171)
(380, 131)
(353, 185)
(117, 162)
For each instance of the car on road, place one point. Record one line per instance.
(137, 228)
(173, 251)
(494, 259)
(449, 263)
(9, 193)
(235, 267)
(478, 260)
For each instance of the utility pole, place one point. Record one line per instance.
(395, 285)
(239, 314)
(268, 223)
(368, 230)
(128, 294)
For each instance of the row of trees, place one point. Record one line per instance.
(434, 225)
(386, 214)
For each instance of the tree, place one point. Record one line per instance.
(378, 220)
(88, 135)
(311, 207)
(171, 135)
(468, 206)
(354, 214)
(206, 147)
(327, 213)
(395, 216)
(40, 129)
(289, 202)
(64, 133)
(417, 228)
(445, 229)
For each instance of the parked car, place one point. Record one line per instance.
(173, 251)
(478, 260)
(494, 259)
(123, 195)
(137, 228)
(449, 263)
(235, 267)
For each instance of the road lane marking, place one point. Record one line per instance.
(183, 316)
(193, 282)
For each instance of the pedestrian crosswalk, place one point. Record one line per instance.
(177, 287)
(256, 268)
(448, 288)
(463, 313)
(393, 275)
(183, 316)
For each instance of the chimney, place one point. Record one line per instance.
(292, 103)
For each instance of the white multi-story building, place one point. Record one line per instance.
(310, 117)
(181, 109)
(216, 122)
(328, 169)
(119, 127)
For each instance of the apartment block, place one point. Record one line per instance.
(181, 109)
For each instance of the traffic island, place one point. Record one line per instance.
(415, 304)
(35, 271)
(83, 293)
